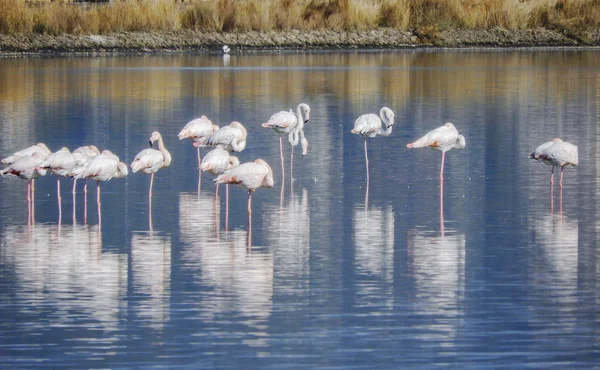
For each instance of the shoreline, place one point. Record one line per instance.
(199, 42)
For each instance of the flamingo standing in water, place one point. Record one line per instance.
(251, 175)
(82, 155)
(101, 167)
(26, 167)
(231, 137)
(443, 138)
(198, 130)
(43, 151)
(291, 124)
(216, 162)
(370, 125)
(60, 163)
(556, 153)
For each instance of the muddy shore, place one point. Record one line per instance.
(129, 42)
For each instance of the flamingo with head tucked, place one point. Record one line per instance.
(198, 130)
(556, 153)
(26, 167)
(60, 163)
(443, 138)
(371, 125)
(251, 176)
(231, 137)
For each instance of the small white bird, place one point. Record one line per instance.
(38, 148)
(370, 125)
(251, 175)
(443, 138)
(150, 160)
(291, 124)
(556, 153)
(26, 167)
(231, 137)
(225, 49)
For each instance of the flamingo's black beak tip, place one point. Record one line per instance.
(150, 142)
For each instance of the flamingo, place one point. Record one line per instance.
(38, 148)
(60, 163)
(370, 125)
(198, 130)
(556, 153)
(216, 162)
(82, 155)
(26, 167)
(443, 138)
(251, 175)
(151, 160)
(101, 167)
(284, 123)
(231, 137)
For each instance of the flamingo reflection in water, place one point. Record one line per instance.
(198, 218)
(443, 138)
(373, 232)
(151, 277)
(67, 270)
(437, 266)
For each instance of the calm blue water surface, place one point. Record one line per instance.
(331, 281)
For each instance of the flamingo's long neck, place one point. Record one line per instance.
(164, 151)
(387, 122)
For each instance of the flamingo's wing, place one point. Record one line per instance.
(367, 125)
(147, 159)
(282, 120)
(440, 137)
(224, 136)
(21, 153)
(215, 161)
(198, 127)
(249, 175)
(563, 153)
(540, 151)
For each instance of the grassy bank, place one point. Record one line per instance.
(425, 18)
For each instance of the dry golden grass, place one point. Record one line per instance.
(424, 16)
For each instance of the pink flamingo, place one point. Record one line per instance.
(443, 138)
(82, 155)
(370, 125)
(198, 130)
(251, 175)
(290, 123)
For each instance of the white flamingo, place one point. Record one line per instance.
(38, 148)
(556, 153)
(231, 137)
(26, 167)
(284, 123)
(150, 160)
(370, 125)
(251, 175)
(443, 138)
(198, 130)
(82, 155)
(101, 167)
(60, 163)
(216, 162)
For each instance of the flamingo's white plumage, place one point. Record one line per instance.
(231, 137)
(26, 167)
(371, 125)
(40, 148)
(556, 153)
(198, 130)
(151, 160)
(59, 163)
(251, 175)
(291, 124)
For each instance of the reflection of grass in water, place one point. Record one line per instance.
(427, 17)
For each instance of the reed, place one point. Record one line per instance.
(426, 17)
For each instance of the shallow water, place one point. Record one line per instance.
(330, 281)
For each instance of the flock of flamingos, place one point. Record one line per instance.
(87, 162)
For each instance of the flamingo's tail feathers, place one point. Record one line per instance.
(354, 131)
(136, 166)
(410, 145)
(5, 171)
(9, 160)
(532, 155)
(266, 125)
